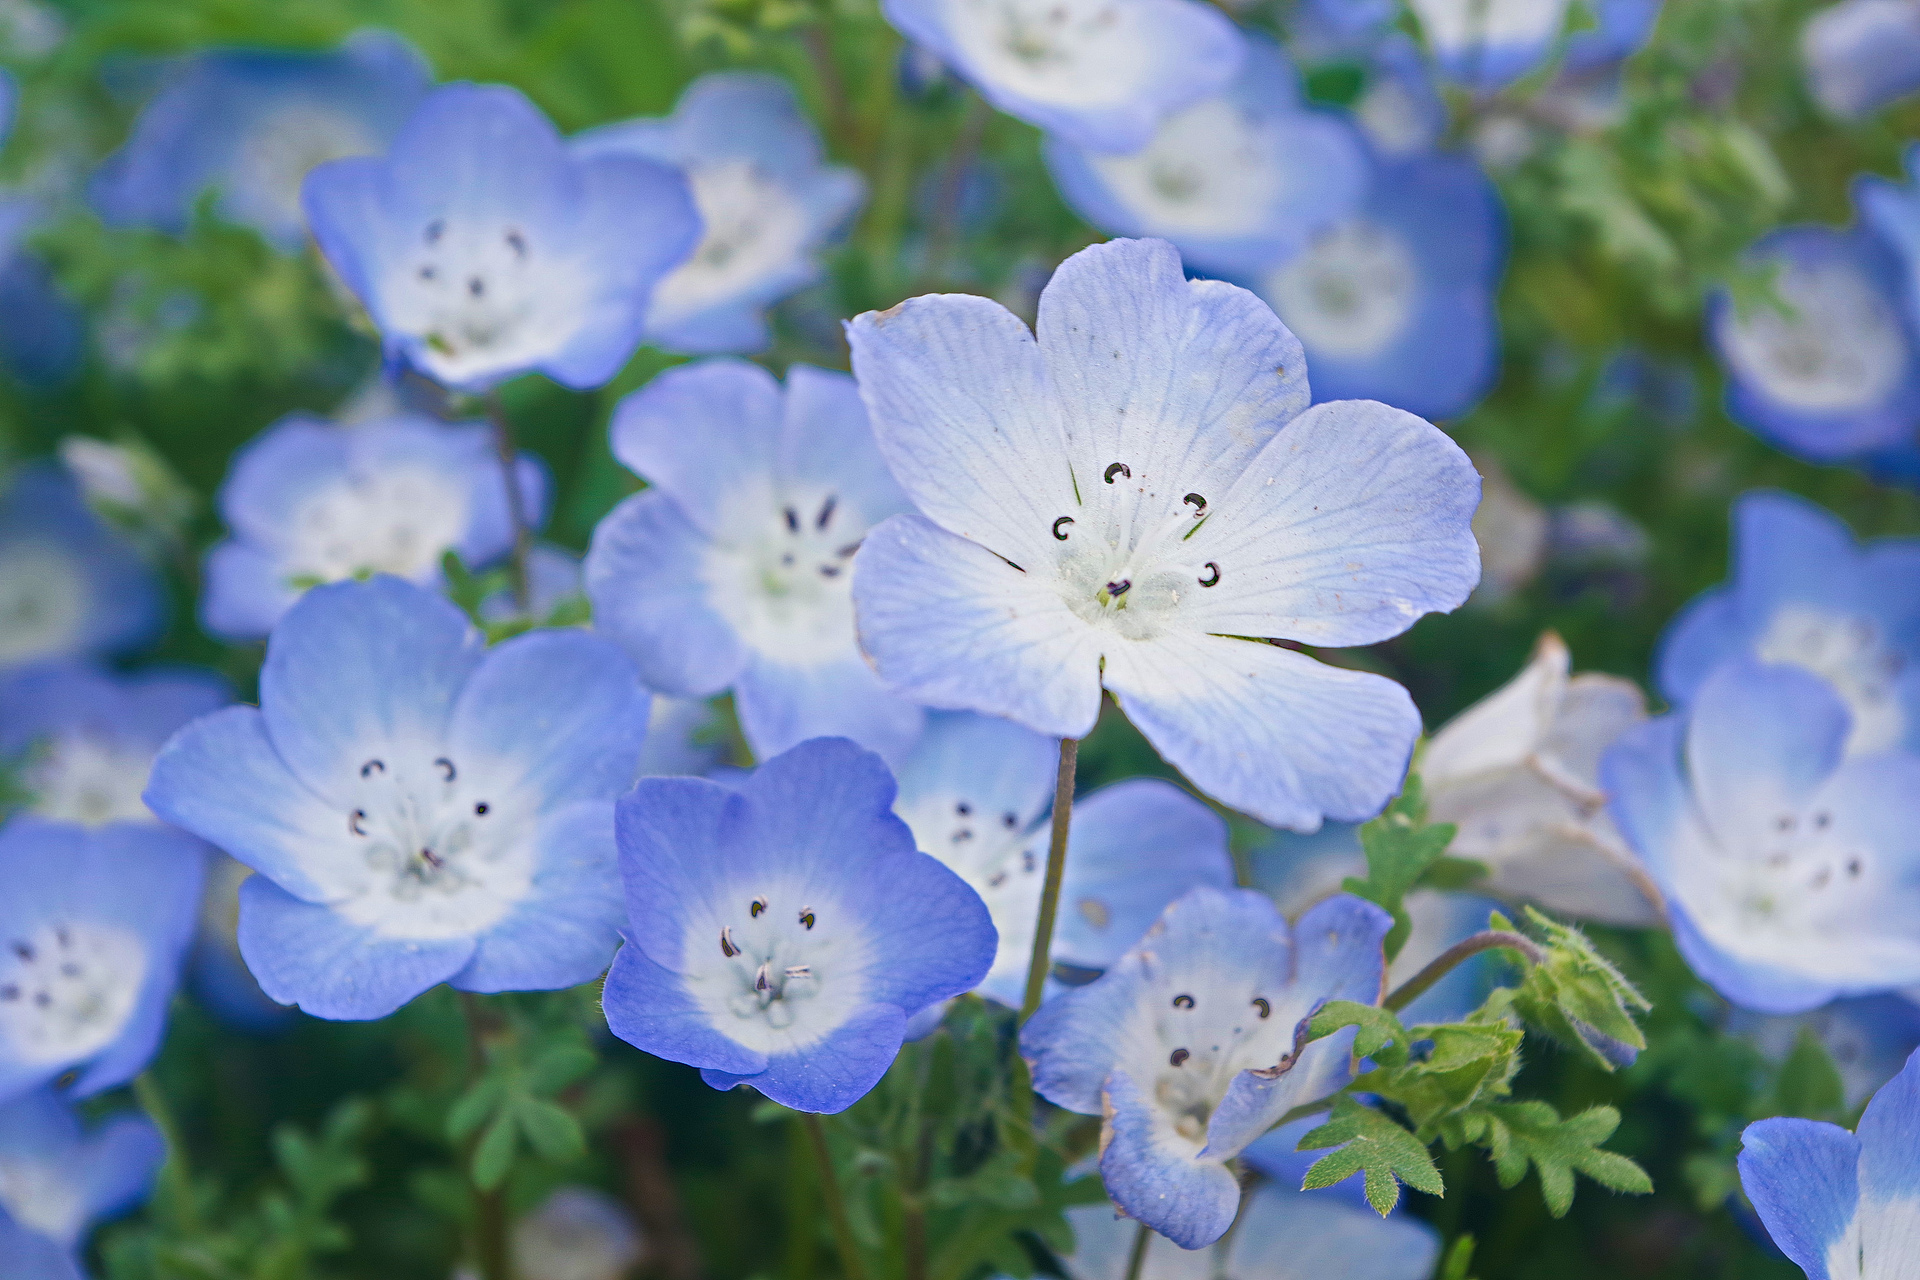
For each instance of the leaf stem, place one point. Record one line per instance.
(851, 1263)
(1042, 958)
(503, 445)
(1453, 956)
(1137, 1256)
(176, 1173)
(492, 1248)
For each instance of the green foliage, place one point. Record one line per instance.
(1402, 849)
(1387, 1153)
(1576, 996)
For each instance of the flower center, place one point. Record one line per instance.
(1196, 1042)
(1123, 564)
(35, 1195)
(754, 227)
(67, 990)
(1209, 171)
(479, 295)
(43, 602)
(1351, 293)
(1068, 51)
(1849, 653)
(399, 521)
(1838, 346)
(1796, 881)
(91, 780)
(787, 584)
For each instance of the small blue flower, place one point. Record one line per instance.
(782, 932)
(43, 333)
(1791, 870)
(768, 202)
(92, 930)
(1126, 499)
(733, 570)
(1834, 376)
(1892, 211)
(420, 808)
(1490, 43)
(1396, 302)
(1400, 106)
(1190, 1047)
(308, 502)
(250, 125)
(1861, 55)
(1236, 181)
(9, 100)
(975, 791)
(1099, 73)
(1841, 1205)
(57, 1180)
(1803, 592)
(482, 249)
(69, 586)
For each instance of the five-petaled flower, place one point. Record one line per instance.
(57, 1180)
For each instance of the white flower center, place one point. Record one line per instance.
(399, 520)
(42, 602)
(67, 990)
(35, 1195)
(1848, 653)
(1393, 118)
(754, 227)
(1209, 171)
(1462, 24)
(276, 153)
(1839, 348)
(481, 295)
(1191, 1034)
(1350, 293)
(782, 968)
(1124, 562)
(88, 779)
(1065, 51)
(784, 580)
(996, 854)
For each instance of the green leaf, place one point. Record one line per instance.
(1809, 1083)
(1387, 1153)
(1458, 1261)
(474, 1106)
(554, 1133)
(493, 1158)
(1576, 996)
(555, 1068)
(1400, 848)
(1519, 1134)
(1381, 1037)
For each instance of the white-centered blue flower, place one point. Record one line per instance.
(1490, 43)
(734, 569)
(250, 125)
(69, 586)
(1803, 592)
(1135, 498)
(92, 930)
(1235, 181)
(57, 1180)
(1791, 870)
(1843, 1206)
(768, 201)
(308, 502)
(1193, 1045)
(782, 932)
(1400, 106)
(1099, 73)
(1861, 55)
(482, 248)
(420, 808)
(578, 1233)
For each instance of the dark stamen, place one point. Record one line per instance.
(518, 243)
(1063, 520)
(372, 767)
(1213, 581)
(354, 820)
(445, 766)
(1009, 820)
(1120, 588)
(1183, 1002)
(755, 907)
(1118, 468)
(1178, 1057)
(806, 916)
(727, 948)
(432, 859)
(829, 570)
(435, 230)
(1198, 503)
(826, 512)
(24, 951)
(793, 520)
(963, 809)
(476, 286)
(1261, 1003)
(482, 809)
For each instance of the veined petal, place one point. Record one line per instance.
(1802, 1178)
(1153, 1175)
(695, 430)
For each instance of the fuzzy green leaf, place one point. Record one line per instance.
(1381, 1037)
(1519, 1134)
(1387, 1153)
(1400, 848)
(493, 1158)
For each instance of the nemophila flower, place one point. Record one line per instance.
(420, 809)
(1490, 43)
(1099, 73)
(9, 99)
(1803, 592)
(92, 929)
(1841, 1205)
(1192, 1045)
(578, 1233)
(1868, 1039)
(1861, 55)
(1396, 302)
(1400, 106)
(1518, 773)
(1235, 181)
(974, 792)
(1126, 499)
(57, 1180)
(1831, 374)
(250, 124)
(766, 199)
(68, 586)
(733, 569)
(782, 932)
(483, 249)
(308, 502)
(81, 741)
(1791, 871)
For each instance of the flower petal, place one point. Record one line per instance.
(782, 706)
(565, 931)
(1154, 1176)
(695, 430)
(1802, 1176)
(649, 1008)
(642, 575)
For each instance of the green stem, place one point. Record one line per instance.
(1137, 1258)
(492, 1245)
(1042, 958)
(851, 1264)
(503, 445)
(1448, 960)
(176, 1174)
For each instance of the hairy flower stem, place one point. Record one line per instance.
(176, 1175)
(516, 501)
(851, 1264)
(1056, 869)
(492, 1250)
(1451, 958)
(1137, 1256)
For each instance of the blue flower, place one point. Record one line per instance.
(1125, 500)
(9, 99)
(1190, 1047)
(1833, 376)
(308, 502)
(782, 932)
(92, 930)
(482, 249)
(1235, 181)
(1791, 871)
(1803, 592)
(974, 793)
(1099, 73)
(768, 203)
(69, 587)
(1841, 1204)
(250, 124)
(1396, 302)
(733, 569)
(421, 809)
(1400, 106)
(1490, 43)
(1861, 55)
(57, 1180)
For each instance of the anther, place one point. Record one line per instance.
(727, 948)
(482, 809)
(426, 273)
(1059, 527)
(963, 835)
(1120, 588)
(1213, 581)
(829, 570)
(372, 767)
(1784, 822)
(1198, 503)
(963, 809)
(1264, 1006)
(354, 820)
(9, 992)
(1183, 1002)
(476, 286)
(806, 917)
(1822, 820)
(1178, 1057)
(445, 766)
(755, 907)
(799, 971)
(1118, 468)
(1009, 820)
(1853, 867)
(760, 982)
(793, 520)
(826, 512)
(24, 951)
(435, 230)
(1029, 861)
(518, 243)
(432, 859)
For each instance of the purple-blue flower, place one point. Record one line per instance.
(1490, 43)
(57, 1180)
(482, 248)
(1192, 1045)
(1099, 73)
(1791, 870)
(92, 930)
(782, 932)
(1132, 500)
(1842, 1205)
(420, 808)
(308, 502)
(733, 570)
(1861, 55)
(250, 124)
(768, 201)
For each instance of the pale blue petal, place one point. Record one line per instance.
(1760, 741)
(565, 931)
(1801, 1176)
(825, 438)
(1890, 1138)
(782, 706)
(696, 431)
(834, 1074)
(245, 592)
(643, 577)
(648, 1007)
(1157, 1180)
